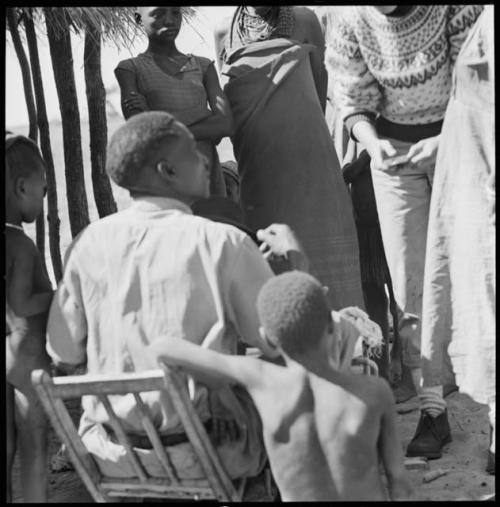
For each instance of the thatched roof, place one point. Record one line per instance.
(117, 24)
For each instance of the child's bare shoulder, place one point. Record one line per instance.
(372, 388)
(18, 245)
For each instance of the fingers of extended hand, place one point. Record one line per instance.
(262, 234)
(415, 150)
(263, 247)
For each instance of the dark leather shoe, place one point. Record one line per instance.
(431, 435)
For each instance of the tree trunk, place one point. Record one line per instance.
(96, 102)
(43, 125)
(13, 20)
(62, 65)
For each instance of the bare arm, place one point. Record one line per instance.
(208, 366)
(220, 123)
(20, 292)
(128, 89)
(390, 450)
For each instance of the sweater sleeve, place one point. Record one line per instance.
(355, 90)
(460, 20)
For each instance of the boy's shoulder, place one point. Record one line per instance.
(18, 242)
(371, 390)
(375, 390)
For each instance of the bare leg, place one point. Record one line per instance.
(33, 428)
(11, 436)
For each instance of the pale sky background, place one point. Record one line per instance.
(16, 114)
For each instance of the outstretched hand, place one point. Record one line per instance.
(278, 240)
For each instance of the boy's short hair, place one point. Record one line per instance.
(17, 149)
(294, 311)
(133, 145)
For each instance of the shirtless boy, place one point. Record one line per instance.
(325, 430)
(28, 295)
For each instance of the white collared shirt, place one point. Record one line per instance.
(153, 270)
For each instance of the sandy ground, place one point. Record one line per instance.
(464, 459)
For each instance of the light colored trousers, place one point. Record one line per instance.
(403, 199)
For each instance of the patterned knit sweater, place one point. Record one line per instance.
(400, 67)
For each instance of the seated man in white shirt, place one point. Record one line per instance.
(155, 269)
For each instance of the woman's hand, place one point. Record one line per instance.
(425, 151)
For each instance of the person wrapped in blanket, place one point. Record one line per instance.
(272, 57)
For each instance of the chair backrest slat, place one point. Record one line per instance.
(63, 424)
(209, 460)
(149, 426)
(215, 484)
(123, 438)
(78, 385)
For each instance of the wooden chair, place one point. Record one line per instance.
(369, 367)
(217, 484)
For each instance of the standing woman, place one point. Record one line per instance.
(164, 79)
(460, 259)
(273, 57)
(393, 67)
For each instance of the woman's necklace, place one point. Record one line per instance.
(14, 226)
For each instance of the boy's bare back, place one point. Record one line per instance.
(321, 433)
